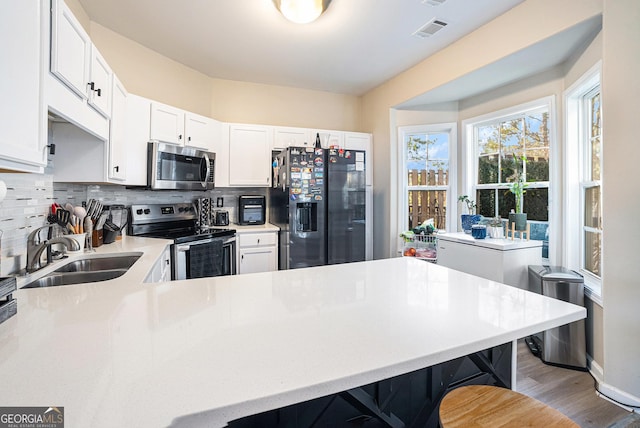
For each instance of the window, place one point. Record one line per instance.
(503, 144)
(507, 146)
(590, 184)
(427, 174)
(583, 233)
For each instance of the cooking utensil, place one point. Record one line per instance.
(80, 213)
(88, 229)
(63, 217)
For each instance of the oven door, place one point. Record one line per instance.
(204, 258)
(176, 167)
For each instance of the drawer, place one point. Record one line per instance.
(257, 239)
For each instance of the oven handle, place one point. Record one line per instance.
(182, 248)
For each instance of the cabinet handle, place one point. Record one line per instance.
(117, 168)
(189, 138)
(258, 241)
(99, 91)
(180, 137)
(92, 85)
(167, 261)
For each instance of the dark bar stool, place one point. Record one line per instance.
(492, 406)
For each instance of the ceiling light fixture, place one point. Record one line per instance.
(302, 11)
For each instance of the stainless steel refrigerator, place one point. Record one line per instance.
(318, 201)
(346, 206)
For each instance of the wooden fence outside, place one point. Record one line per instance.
(426, 204)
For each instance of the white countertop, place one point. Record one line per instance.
(124, 353)
(496, 244)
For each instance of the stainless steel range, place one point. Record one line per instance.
(197, 251)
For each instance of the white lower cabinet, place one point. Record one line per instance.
(507, 262)
(257, 252)
(161, 271)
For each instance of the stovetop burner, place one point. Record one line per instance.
(177, 222)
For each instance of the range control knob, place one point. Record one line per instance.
(139, 211)
(147, 210)
(180, 209)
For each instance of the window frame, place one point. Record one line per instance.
(577, 134)
(403, 210)
(470, 164)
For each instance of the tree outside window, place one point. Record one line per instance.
(504, 147)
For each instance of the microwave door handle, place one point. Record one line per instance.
(205, 179)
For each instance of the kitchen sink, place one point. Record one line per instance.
(97, 264)
(86, 270)
(66, 278)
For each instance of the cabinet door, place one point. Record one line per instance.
(261, 259)
(291, 137)
(330, 138)
(137, 136)
(70, 49)
(100, 84)
(221, 149)
(167, 124)
(22, 110)
(249, 155)
(200, 131)
(117, 141)
(483, 262)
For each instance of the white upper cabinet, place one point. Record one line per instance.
(22, 109)
(329, 138)
(201, 132)
(118, 139)
(137, 137)
(167, 123)
(250, 155)
(175, 126)
(70, 49)
(291, 137)
(100, 85)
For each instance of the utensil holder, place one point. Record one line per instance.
(96, 238)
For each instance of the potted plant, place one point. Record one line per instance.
(495, 229)
(517, 186)
(471, 217)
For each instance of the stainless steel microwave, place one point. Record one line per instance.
(176, 167)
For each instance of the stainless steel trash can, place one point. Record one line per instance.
(565, 345)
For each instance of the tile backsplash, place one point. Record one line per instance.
(29, 198)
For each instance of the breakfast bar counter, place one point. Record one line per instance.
(207, 352)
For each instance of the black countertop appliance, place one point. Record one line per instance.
(251, 209)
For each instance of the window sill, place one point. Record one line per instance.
(593, 290)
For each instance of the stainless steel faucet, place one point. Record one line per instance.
(35, 247)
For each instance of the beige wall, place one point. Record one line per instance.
(147, 73)
(621, 153)
(234, 101)
(504, 35)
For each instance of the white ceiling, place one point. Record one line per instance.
(353, 47)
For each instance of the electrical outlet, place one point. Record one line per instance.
(219, 202)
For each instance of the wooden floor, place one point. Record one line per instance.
(572, 392)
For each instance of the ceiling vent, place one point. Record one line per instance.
(434, 2)
(430, 28)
